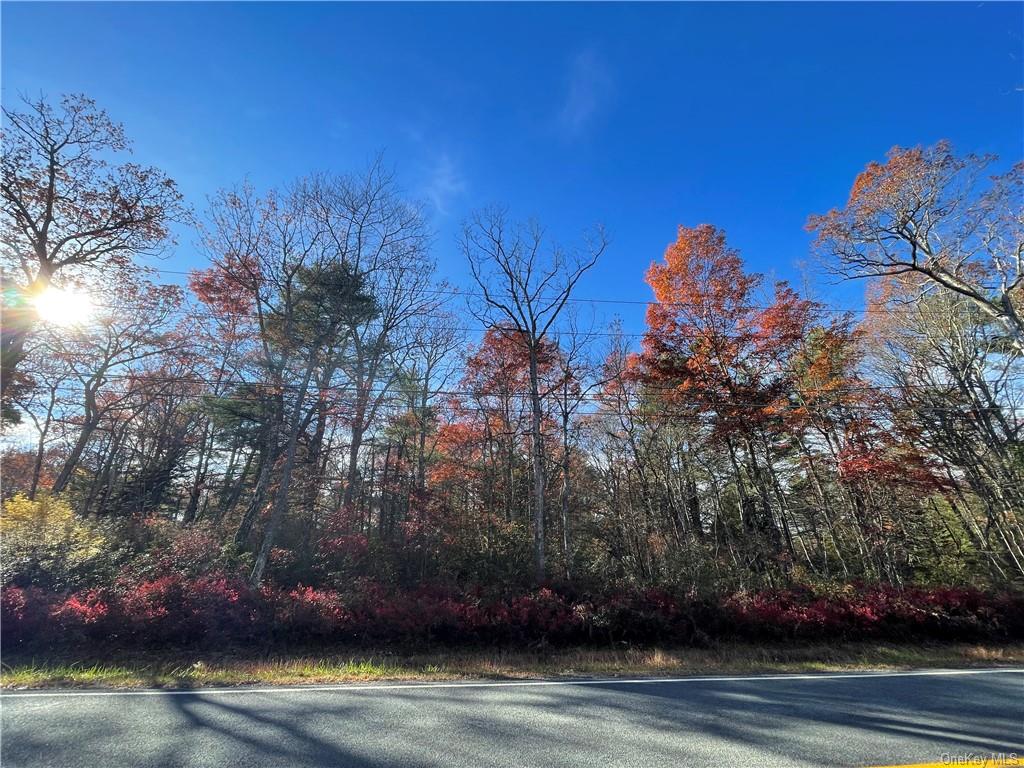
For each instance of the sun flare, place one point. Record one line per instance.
(63, 307)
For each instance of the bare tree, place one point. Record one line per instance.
(135, 327)
(432, 368)
(572, 386)
(43, 399)
(526, 284)
(384, 240)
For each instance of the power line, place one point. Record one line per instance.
(460, 292)
(397, 398)
(186, 313)
(189, 379)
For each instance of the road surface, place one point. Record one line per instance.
(794, 720)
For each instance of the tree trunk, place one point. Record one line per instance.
(88, 427)
(566, 490)
(538, 470)
(191, 511)
(258, 495)
(352, 474)
(281, 498)
(421, 458)
(44, 430)
(19, 322)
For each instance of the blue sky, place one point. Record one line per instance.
(641, 117)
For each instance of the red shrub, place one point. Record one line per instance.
(25, 614)
(424, 616)
(879, 611)
(1006, 614)
(308, 612)
(174, 609)
(13, 602)
(167, 548)
(544, 615)
(226, 607)
(84, 612)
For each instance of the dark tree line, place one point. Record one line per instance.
(316, 386)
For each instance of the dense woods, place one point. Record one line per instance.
(313, 436)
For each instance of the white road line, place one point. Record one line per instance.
(384, 687)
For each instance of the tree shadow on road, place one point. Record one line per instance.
(697, 722)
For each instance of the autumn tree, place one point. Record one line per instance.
(431, 371)
(954, 393)
(66, 207)
(935, 215)
(712, 348)
(525, 284)
(645, 453)
(305, 295)
(496, 395)
(134, 328)
(383, 238)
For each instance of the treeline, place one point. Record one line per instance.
(314, 407)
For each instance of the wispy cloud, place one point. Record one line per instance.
(588, 87)
(445, 183)
(338, 127)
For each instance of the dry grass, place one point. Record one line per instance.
(188, 670)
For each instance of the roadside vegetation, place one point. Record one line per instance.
(198, 669)
(310, 441)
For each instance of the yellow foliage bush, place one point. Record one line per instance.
(44, 536)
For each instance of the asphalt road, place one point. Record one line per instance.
(830, 720)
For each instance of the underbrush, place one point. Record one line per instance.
(182, 611)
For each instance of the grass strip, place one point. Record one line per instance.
(195, 669)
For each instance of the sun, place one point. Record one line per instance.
(59, 306)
